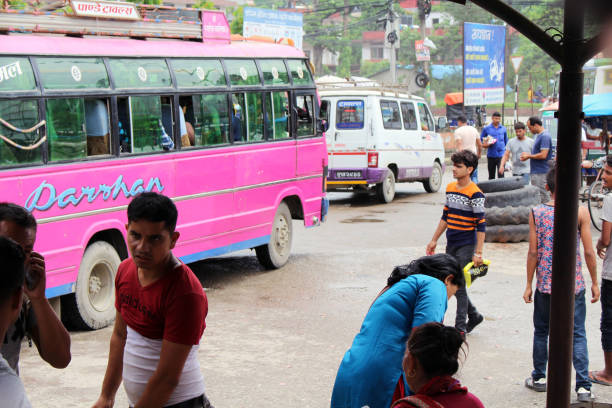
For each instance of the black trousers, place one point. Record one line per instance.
(465, 309)
(493, 165)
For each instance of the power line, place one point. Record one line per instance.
(332, 30)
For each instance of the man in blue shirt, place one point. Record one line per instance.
(540, 157)
(495, 138)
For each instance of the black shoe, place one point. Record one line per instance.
(474, 322)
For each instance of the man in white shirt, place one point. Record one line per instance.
(517, 146)
(12, 277)
(468, 138)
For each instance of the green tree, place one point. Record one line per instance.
(205, 5)
(237, 21)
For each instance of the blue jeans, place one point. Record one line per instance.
(474, 176)
(580, 355)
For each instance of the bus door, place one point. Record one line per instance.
(349, 134)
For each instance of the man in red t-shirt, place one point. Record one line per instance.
(161, 312)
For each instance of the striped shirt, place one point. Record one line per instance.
(464, 214)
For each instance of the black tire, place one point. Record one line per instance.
(502, 184)
(507, 215)
(433, 183)
(507, 233)
(385, 191)
(421, 80)
(92, 305)
(275, 253)
(528, 196)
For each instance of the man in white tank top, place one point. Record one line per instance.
(161, 312)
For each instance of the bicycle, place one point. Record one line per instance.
(594, 194)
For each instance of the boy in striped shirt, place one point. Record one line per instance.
(463, 219)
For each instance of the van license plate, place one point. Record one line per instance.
(348, 174)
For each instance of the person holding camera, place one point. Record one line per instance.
(37, 319)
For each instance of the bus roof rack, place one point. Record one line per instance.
(112, 18)
(366, 85)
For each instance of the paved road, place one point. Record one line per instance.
(275, 338)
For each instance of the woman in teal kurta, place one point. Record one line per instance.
(415, 294)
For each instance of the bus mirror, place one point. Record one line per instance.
(323, 125)
(442, 122)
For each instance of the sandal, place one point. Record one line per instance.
(598, 380)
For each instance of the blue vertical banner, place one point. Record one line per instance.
(484, 54)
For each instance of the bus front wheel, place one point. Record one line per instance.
(275, 253)
(92, 306)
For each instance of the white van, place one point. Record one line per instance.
(378, 138)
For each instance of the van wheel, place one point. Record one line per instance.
(433, 183)
(385, 191)
(92, 306)
(275, 253)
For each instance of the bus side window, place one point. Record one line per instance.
(216, 119)
(239, 131)
(66, 129)
(97, 127)
(305, 115)
(22, 114)
(125, 127)
(255, 116)
(142, 120)
(186, 120)
(280, 115)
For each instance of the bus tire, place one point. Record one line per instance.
(507, 233)
(385, 191)
(501, 184)
(507, 215)
(92, 306)
(275, 253)
(433, 183)
(527, 196)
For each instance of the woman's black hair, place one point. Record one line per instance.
(436, 347)
(437, 266)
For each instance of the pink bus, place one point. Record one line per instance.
(227, 130)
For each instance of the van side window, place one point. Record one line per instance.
(427, 122)
(349, 115)
(409, 116)
(390, 115)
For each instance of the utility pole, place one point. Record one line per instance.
(424, 10)
(391, 38)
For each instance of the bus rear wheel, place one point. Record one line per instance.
(275, 253)
(92, 306)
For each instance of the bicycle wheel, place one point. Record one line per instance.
(596, 196)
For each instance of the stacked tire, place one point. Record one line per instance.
(508, 202)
